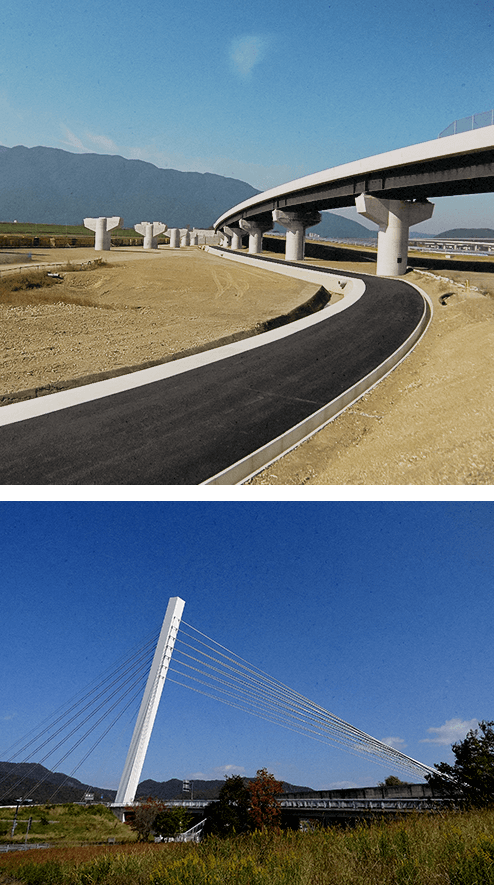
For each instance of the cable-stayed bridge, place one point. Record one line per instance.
(195, 661)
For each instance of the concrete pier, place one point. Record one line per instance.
(256, 228)
(175, 238)
(236, 234)
(296, 222)
(150, 231)
(394, 217)
(102, 227)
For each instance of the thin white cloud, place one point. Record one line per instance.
(72, 140)
(102, 142)
(99, 142)
(341, 785)
(260, 177)
(6, 717)
(452, 731)
(246, 52)
(396, 742)
(228, 770)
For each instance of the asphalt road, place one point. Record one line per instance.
(185, 429)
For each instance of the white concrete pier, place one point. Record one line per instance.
(255, 229)
(296, 222)
(175, 238)
(150, 231)
(102, 227)
(236, 234)
(394, 217)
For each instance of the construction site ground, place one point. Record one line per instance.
(430, 422)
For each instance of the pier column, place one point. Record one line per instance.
(394, 217)
(185, 237)
(225, 239)
(236, 234)
(296, 222)
(102, 227)
(150, 231)
(256, 227)
(175, 238)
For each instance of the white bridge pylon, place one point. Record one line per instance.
(149, 704)
(222, 675)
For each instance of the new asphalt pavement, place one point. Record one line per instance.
(187, 428)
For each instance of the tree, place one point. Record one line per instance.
(230, 814)
(472, 775)
(144, 817)
(265, 810)
(391, 781)
(172, 821)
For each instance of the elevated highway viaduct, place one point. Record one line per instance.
(391, 189)
(331, 807)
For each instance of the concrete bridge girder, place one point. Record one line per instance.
(462, 163)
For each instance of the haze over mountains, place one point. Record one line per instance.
(48, 185)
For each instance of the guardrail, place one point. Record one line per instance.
(365, 804)
(476, 121)
(338, 804)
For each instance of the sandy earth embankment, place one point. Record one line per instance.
(142, 307)
(429, 422)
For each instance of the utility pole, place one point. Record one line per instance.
(14, 822)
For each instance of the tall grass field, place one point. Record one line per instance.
(441, 849)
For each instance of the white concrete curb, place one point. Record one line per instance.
(249, 466)
(53, 402)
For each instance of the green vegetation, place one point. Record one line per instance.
(154, 817)
(70, 230)
(452, 849)
(68, 824)
(37, 287)
(472, 775)
(243, 807)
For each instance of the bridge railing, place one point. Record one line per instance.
(365, 804)
(341, 804)
(476, 121)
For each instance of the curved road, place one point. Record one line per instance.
(187, 428)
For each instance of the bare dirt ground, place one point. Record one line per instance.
(139, 308)
(430, 422)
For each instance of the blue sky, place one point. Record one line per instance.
(264, 92)
(379, 612)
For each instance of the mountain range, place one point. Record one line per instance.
(48, 185)
(465, 233)
(38, 783)
(42, 185)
